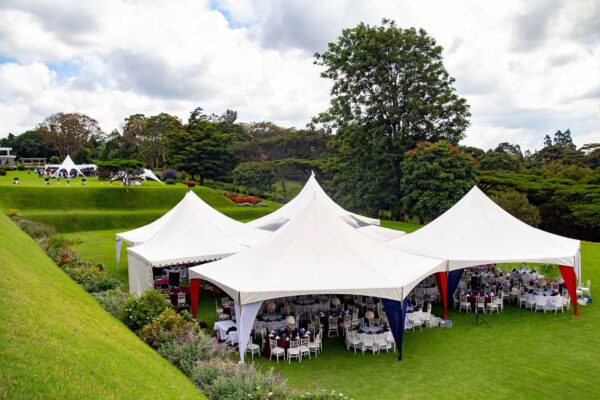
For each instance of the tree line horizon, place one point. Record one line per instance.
(388, 145)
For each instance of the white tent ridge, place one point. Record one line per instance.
(288, 211)
(193, 233)
(476, 231)
(68, 165)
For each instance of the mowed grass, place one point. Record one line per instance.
(520, 355)
(56, 342)
(102, 206)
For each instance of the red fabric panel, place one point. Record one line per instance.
(194, 295)
(441, 279)
(568, 275)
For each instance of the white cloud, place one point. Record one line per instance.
(527, 69)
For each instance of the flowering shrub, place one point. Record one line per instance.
(167, 327)
(242, 199)
(91, 276)
(169, 174)
(190, 183)
(60, 249)
(112, 300)
(194, 347)
(140, 311)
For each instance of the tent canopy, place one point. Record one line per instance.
(379, 233)
(317, 253)
(277, 218)
(148, 174)
(477, 231)
(196, 232)
(68, 165)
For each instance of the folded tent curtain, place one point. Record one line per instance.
(118, 245)
(245, 315)
(452, 283)
(194, 295)
(396, 314)
(568, 275)
(441, 279)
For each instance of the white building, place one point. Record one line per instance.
(5, 157)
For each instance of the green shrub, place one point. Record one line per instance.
(170, 181)
(140, 311)
(2, 172)
(60, 249)
(20, 167)
(112, 300)
(191, 349)
(92, 277)
(168, 326)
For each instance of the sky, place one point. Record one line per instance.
(527, 68)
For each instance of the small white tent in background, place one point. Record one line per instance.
(193, 233)
(68, 165)
(148, 174)
(277, 218)
(314, 253)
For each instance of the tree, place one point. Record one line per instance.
(201, 149)
(518, 206)
(499, 160)
(152, 148)
(512, 149)
(69, 132)
(564, 138)
(29, 144)
(258, 177)
(547, 141)
(435, 176)
(390, 90)
(125, 170)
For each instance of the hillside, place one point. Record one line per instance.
(56, 342)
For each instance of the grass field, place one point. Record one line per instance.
(56, 342)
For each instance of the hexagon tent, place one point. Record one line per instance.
(194, 233)
(476, 231)
(68, 165)
(277, 218)
(314, 253)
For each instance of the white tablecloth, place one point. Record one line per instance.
(222, 327)
(426, 291)
(270, 325)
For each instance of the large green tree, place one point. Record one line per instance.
(258, 177)
(390, 90)
(518, 206)
(435, 176)
(69, 132)
(201, 149)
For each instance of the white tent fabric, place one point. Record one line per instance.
(379, 233)
(476, 231)
(277, 218)
(317, 253)
(314, 253)
(148, 174)
(194, 233)
(68, 165)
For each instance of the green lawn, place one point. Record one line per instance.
(56, 342)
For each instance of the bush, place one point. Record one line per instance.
(112, 300)
(191, 349)
(170, 181)
(140, 311)
(92, 277)
(36, 230)
(167, 327)
(190, 183)
(2, 172)
(59, 248)
(169, 174)
(20, 167)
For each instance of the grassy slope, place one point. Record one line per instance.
(56, 342)
(99, 205)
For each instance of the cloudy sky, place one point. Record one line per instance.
(527, 68)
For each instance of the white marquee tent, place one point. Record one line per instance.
(67, 165)
(476, 231)
(148, 174)
(314, 253)
(379, 233)
(195, 232)
(277, 218)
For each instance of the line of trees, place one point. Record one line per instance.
(388, 144)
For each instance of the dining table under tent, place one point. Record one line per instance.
(315, 253)
(476, 231)
(193, 233)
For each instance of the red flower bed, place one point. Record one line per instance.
(242, 199)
